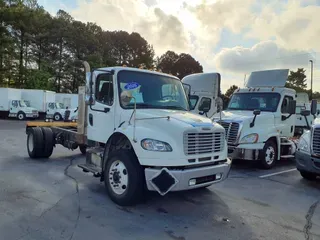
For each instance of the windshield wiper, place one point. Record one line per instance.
(175, 108)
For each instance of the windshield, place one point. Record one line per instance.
(22, 103)
(59, 105)
(153, 90)
(267, 102)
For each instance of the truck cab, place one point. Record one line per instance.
(204, 93)
(20, 110)
(308, 148)
(55, 110)
(146, 135)
(260, 119)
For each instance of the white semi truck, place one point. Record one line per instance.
(45, 102)
(137, 135)
(12, 105)
(260, 119)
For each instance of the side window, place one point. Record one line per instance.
(104, 89)
(15, 103)
(285, 104)
(51, 105)
(193, 101)
(205, 101)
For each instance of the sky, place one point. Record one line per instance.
(232, 37)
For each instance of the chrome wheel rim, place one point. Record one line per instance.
(118, 177)
(270, 155)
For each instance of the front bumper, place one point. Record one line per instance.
(166, 180)
(244, 154)
(308, 163)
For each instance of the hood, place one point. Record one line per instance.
(237, 116)
(183, 117)
(30, 109)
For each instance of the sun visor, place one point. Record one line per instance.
(268, 78)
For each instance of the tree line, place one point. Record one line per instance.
(41, 51)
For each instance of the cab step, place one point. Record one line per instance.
(286, 144)
(287, 156)
(90, 168)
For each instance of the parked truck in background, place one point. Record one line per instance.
(204, 93)
(12, 105)
(45, 102)
(133, 144)
(260, 119)
(308, 150)
(303, 104)
(67, 99)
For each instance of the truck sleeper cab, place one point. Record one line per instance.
(139, 134)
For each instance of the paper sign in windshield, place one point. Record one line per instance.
(131, 86)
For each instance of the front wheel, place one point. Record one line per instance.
(57, 117)
(268, 155)
(308, 175)
(124, 178)
(21, 116)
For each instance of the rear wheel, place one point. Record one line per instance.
(35, 142)
(308, 175)
(48, 142)
(124, 178)
(268, 155)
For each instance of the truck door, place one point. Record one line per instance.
(101, 121)
(14, 107)
(285, 127)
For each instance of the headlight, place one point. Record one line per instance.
(304, 142)
(155, 145)
(251, 138)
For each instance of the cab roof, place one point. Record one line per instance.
(119, 68)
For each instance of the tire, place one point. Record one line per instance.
(268, 155)
(308, 175)
(21, 116)
(132, 177)
(35, 142)
(57, 117)
(48, 142)
(83, 149)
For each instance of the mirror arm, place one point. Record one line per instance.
(308, 125)
(253, 121)
(283, 118)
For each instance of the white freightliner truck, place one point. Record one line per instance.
(137, 135)
(12, 105)
(260, 119)
(45, 102)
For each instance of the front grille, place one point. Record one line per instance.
(316, 141)
(200, 143)
(232, 130)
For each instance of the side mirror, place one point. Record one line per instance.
(204, 106)
(305, 113)
(292, 107)
(314, 104)
(257, 112)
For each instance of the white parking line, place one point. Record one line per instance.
(277, 173)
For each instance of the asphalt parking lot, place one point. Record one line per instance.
(54, 199)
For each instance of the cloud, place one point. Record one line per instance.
(264, 55)
(164, 31)
(296, 26)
